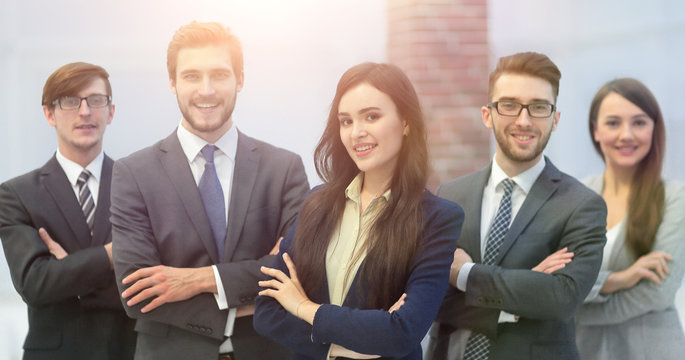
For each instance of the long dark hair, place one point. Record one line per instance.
(646, 199)
(390, 248)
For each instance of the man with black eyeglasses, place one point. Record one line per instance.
(55, 229)
(531, 244)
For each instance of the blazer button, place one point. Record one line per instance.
(480, 300)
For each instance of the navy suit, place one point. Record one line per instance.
(372, 331)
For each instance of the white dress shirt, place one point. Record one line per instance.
(73, 171)
(224, 161)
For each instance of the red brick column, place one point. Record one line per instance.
(442, 46)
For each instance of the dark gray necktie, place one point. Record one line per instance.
(478, 345)
(213, 199)
(85, 199)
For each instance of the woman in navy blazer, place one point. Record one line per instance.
(363, 271)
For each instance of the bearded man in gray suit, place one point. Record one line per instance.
(532, 240)
(196, 215)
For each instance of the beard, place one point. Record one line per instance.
(207, 126)
(511, 151)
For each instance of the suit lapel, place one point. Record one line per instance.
(101, 225)
(55, 181)
(473, 201)
(543, 188)
(244, 176)
(176, 166)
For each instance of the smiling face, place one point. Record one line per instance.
(206, 88)
(623, 131)
(80, 131)
(371, 130)
(520, 139)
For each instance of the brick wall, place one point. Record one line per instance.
(442, 46)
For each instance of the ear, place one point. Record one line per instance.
(172, 85)
(405, 132)
(240, 81)
(111, 114)
(595, 134)
(557, 115)
(49, 115)
(486, 114)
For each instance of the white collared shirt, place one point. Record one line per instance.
(224, 161)
(73, 171)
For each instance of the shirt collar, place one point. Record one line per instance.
(73, 170)
(192, 144)
(524, 180)
(353, 191)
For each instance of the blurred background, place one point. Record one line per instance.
(296, 50)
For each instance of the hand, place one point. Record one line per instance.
(276, 248)
(167, 284)
(288, 291)
(396, 306)
(55, 248)
(460, 258)
(339, 351)
(108, 249)
(554, 261)
(651, 266)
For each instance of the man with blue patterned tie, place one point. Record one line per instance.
(55, 229)
(514, 288)
(196, 215)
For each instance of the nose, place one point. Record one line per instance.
(523, 120)
(358, 129)
(626, 132)
(206, 88)
(84, 110)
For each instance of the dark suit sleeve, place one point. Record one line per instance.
(38, 276)
(542, 296)
(374, 331)
(241, 277)
(134, 247)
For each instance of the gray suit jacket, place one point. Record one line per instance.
(641, 322)
(158, 218)
(558, 212)
(74, 308)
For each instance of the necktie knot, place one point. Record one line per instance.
(508, 185)
(208, 153)
(83, 178)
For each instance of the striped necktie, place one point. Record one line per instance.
(85, 199)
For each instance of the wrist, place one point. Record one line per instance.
(204, 280)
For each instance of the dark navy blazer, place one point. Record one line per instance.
(373, 331)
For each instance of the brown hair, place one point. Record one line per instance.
(390, 248)
(526, 63)
(646, 199)
(71, 78)
(198, 34)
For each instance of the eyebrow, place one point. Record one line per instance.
(362, 111)
(507, 98)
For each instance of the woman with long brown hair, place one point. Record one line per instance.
(365, 267)
(630, 312)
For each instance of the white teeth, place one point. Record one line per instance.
(365, 147)
(523, 138)
(205, 105)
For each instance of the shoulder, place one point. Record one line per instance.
(275, 153)
(674, 198)
(31, 180)
(457, 188)
(439, 210)
(569, 188)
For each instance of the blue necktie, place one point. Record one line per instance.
(213, 199)
(478, 345)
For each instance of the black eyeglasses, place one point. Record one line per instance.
(74, 102)
(513, 108)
